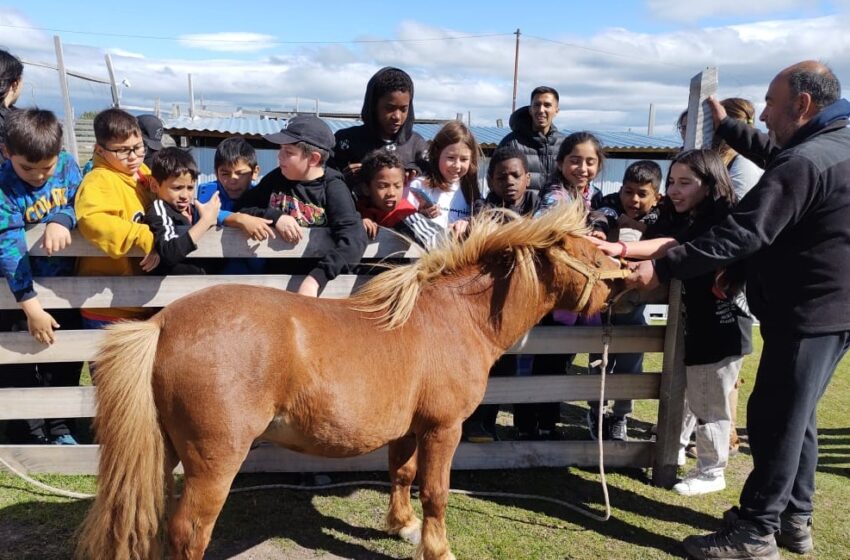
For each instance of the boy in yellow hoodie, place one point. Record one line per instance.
(110, 205)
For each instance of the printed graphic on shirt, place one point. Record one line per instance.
(305, 214)
(37, 210)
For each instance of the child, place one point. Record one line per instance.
(301, 192)
(236, 170)
(509, 179)
(37, 186)
(151, 127)
(718, 327)
(579, 160)
(111, 204)
(635, 207)
(383, 203)
(450, 186)
(173, 176)
(388, 120)
(11, 86)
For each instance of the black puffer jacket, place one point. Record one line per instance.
(540, 150)
(792, 228)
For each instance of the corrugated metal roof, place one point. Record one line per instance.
(486, 135)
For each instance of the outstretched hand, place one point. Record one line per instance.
(718, 112)
(643, 276)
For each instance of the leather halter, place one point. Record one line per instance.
(593, 275)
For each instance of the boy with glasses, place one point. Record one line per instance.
(110, 205)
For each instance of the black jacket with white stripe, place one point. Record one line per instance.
(171, 238)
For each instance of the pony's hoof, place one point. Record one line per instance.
(412, 533)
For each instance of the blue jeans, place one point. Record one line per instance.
(624, 363)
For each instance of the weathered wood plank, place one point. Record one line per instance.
(158, 291)
(671, 406)
(231, 242)
(82, 459)
(78, 402)
(72, 346)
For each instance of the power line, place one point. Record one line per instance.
(600, 51)
(249, 41)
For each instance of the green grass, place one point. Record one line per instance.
(647, 522)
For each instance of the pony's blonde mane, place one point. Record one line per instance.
(393, 294)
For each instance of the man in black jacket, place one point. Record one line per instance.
(533, 133)
(794, 231)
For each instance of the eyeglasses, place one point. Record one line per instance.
(124, 153)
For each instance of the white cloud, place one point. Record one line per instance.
(124, 53)
(598, 91)
(695, 10)
(230, 41)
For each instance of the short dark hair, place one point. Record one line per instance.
(643, 172)
(11, 71)
(819, 82)
(115, 124)
(173, 162)
(504, 154)
(35, 134)
(540, 90)
(308, 149)
(231, 151)
(377, 160)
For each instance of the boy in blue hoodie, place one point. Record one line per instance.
(38, 183)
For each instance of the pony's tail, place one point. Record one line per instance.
(124, 521)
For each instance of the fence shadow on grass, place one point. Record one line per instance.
(834, 451)
(572, 488)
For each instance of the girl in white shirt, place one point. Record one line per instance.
(446, 193)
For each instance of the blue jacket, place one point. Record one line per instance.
(206, 191)
(22, 205)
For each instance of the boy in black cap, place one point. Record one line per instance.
(301, 192)
(151, 135)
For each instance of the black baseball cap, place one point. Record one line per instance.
(151, 131)
(305, 128)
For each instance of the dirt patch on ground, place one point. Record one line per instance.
(270, 551)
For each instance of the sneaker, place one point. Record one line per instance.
(795, 533)
(697, 483)
(740, 540)
(64, 439)
(618, 429)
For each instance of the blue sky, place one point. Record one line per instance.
(610, 59)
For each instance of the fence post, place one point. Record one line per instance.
(671, 404)
(671, 398)
(70, 137)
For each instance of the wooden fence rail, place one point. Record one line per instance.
(150, 291)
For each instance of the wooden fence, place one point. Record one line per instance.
(149, 291)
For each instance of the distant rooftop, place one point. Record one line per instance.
(488, 136)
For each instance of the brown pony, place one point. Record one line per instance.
(402, 364)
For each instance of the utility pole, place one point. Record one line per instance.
(191, 98)
(516, 70)
(650, 126)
